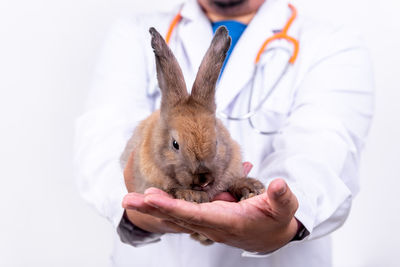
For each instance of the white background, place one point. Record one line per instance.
(47, 52)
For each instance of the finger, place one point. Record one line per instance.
(153, 190)
(135, 201)
(214, 214)
(247, 166)
(281, 199)
(210, 233)
(154, 224)
(175, 228)
(225, 196)
(216, 235)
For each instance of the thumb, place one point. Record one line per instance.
(282, 200)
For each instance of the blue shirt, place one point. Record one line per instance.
(235, 30)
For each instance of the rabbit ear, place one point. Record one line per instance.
(169, 74)
(203, 91)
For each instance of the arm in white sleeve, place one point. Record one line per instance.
(117, 101)
(318, 150)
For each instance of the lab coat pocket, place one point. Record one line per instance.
(274, 93)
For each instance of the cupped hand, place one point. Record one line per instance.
(145, 218)
(262, 223)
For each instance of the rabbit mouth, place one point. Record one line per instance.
(203, 181)
(202, 187)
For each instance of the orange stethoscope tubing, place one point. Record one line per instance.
(283, 35)
(172, 26)
(280, 35)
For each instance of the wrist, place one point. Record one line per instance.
(283, 237)
(293, 229)
(132, 235)
(288, 233)
(143, 221)
(301, 232)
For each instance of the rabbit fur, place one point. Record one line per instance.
(182, 148)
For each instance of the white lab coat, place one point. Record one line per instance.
(322, 107)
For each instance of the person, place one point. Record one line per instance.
(315, 121)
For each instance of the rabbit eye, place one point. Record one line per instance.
(175, 144)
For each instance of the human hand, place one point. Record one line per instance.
(144, 221)
(152, 223)
(262, 223)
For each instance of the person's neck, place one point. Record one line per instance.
(245, 19)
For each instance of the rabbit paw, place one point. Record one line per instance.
(202, 239)
(192, 195)
(245, 188)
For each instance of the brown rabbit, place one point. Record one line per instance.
(183, 148)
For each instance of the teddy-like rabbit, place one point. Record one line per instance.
(183, 148)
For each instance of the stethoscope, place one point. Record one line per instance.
(281, 35)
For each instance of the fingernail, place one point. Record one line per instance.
(282, 190)
(148, 191)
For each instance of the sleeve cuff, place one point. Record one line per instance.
(135, 236)
(301, 233)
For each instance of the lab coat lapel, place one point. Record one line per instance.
(239, 69)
